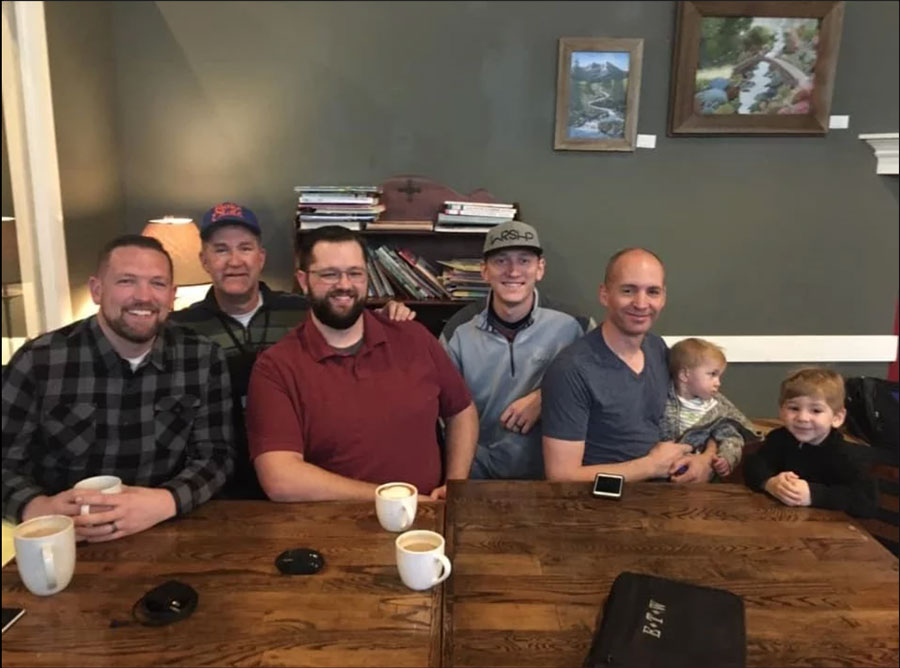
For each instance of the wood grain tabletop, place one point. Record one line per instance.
(532, 565)
(354, 612)
(534, 561)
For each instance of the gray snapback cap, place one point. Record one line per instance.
(512, 234)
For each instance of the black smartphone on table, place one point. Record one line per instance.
(11, 616)
(609, 485)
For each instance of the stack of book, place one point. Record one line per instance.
(349, 206)
(400, 225)
(473, 216)
(398, 272)
(462, 278)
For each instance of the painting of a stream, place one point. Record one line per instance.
(756, 65)
(597, 95)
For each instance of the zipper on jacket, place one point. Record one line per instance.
(512, 360)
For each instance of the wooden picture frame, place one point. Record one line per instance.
(594, 67)
(769, 67)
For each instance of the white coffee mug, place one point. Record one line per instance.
(45, 553)
(395, 505)
(421, 560)
(104, 484)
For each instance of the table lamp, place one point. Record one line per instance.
(12, 276)
(181, 238)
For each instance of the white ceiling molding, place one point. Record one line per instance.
(885, 147)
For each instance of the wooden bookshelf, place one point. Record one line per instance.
(381, 301)
(434, 246)
(419, 233)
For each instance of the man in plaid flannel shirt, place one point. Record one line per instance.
(118, 393)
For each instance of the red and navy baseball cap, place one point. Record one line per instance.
(228, 213)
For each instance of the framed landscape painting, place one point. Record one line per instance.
(597, 88)
(754, 68)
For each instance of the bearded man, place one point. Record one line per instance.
(120, 393)
(244, 316)
(349, 400)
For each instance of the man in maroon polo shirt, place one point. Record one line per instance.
(348, 400)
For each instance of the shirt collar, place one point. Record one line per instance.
(210, 302)
(697, 405)
(606, 356)
(484, 316)
(835, 437)
(314, 343)
(113, 360)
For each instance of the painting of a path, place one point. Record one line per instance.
(597, 95)
(756, 65)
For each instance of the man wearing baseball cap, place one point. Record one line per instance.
(502, 347)
(244, 315)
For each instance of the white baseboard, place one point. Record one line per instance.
(802, 348)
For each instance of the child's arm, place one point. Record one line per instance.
(670, 427)
(854, 491)
(730, 435)
(735, 413)
(765, 463)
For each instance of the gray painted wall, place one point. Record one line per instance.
(83, 80)
(242, 101)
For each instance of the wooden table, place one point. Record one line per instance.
(534, 561)
(532, 564)
(355, 611)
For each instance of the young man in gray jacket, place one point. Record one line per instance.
(503, 345)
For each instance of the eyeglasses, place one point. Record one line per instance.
(332, 276)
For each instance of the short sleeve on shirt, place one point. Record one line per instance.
(565, 400)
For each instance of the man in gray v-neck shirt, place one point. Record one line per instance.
(604, 396)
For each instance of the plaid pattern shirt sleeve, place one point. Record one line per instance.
(73, 408)
(20, 421)
(210, 449)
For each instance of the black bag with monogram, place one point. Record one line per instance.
(651, 622)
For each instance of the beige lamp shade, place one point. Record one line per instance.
(181, 238)
(11, 271)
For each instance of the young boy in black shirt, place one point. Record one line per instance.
(807, 462)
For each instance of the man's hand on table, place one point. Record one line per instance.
(663, 455)
(696, 468)
(132, 511)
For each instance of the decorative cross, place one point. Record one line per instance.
(410, 190)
